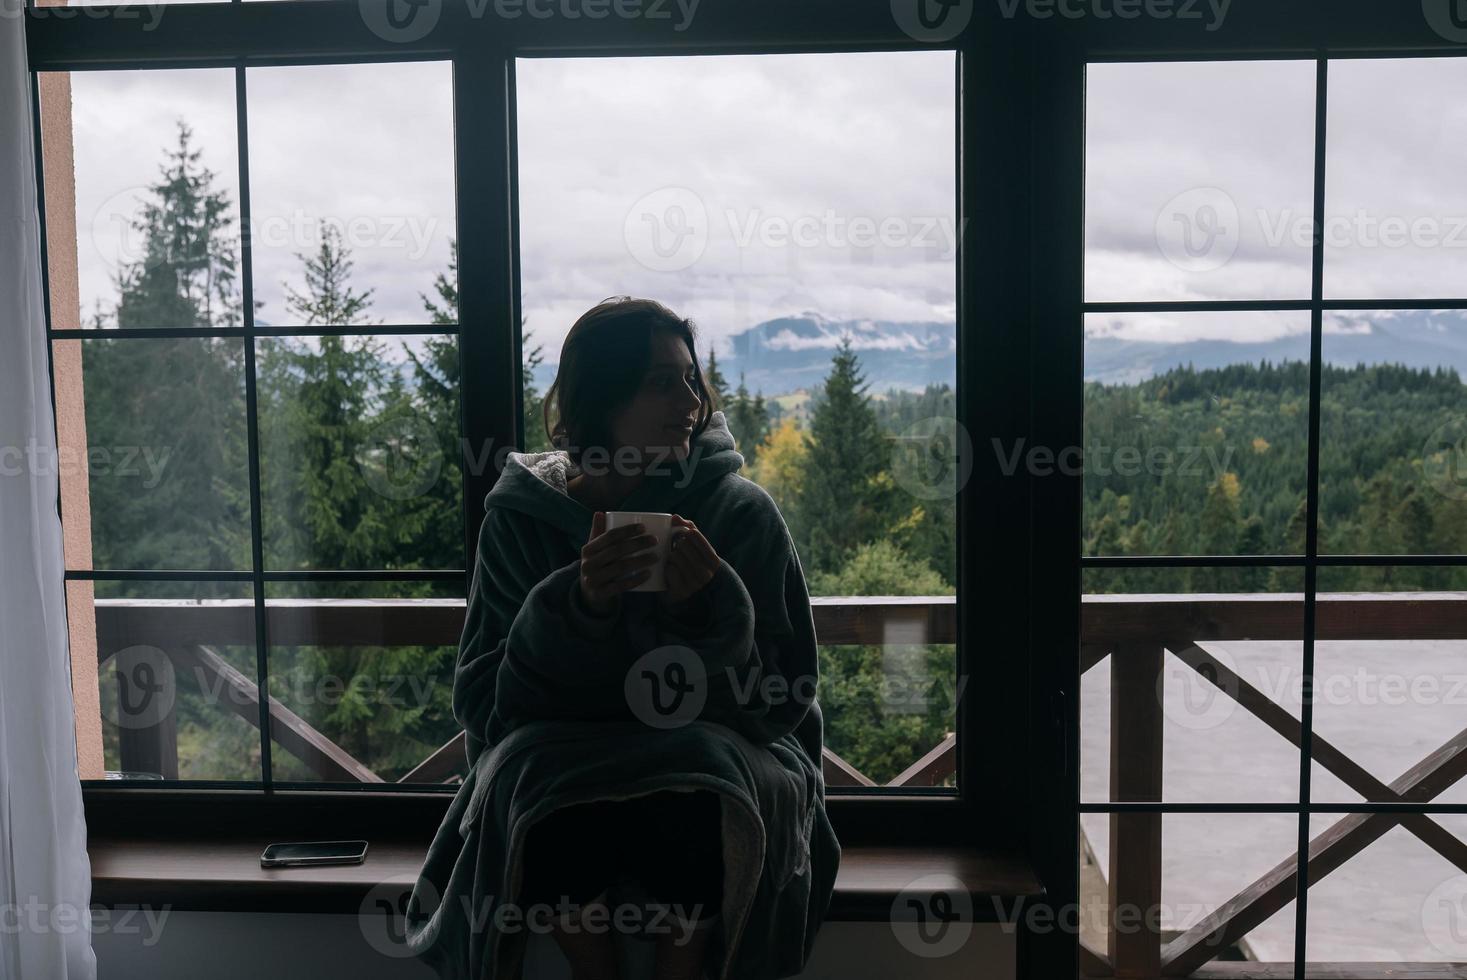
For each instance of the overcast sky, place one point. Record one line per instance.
(754, 174)
(737, 189)
(1200, 182)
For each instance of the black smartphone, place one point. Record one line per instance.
(314, 852)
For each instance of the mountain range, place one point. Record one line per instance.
(1415, 338)
(793, 352)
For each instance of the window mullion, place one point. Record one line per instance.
(488, 328)
(252, 422)
(1311, 544)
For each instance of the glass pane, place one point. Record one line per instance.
(1168, 874)
(159, 470)
(1390, 665)
(176, 678)
(1396, 215)
(1199, 180)
(1224, 649)
(706, 183)
(362, 677)
(1395, 901)
(1209, 858)
(142, 197)
(888, 707)
(359, 461)
(352, 193)
(1196, 434)
(1393, 433)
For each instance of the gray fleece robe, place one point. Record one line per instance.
(561, 706)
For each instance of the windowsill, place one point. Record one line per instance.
(224, 874)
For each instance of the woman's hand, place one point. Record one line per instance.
(610, 563)
(691, 563)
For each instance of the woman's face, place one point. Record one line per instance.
(657, 418)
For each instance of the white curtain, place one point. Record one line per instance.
(45, 876)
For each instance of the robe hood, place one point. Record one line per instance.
(536, 483)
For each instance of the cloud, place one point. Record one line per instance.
(367, 147)
(759, 143)
(1242, 134)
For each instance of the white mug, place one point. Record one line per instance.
(658, 524)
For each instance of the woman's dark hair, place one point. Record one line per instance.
(602, 365)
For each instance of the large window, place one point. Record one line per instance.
(271, 289)
(258, 388)
(310, 270)
(1275, 515)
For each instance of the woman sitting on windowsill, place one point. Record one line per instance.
(624, 743)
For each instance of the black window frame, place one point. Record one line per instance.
(1305, 33)
(1020, 176)
(483, 53)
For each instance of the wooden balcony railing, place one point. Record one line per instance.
(189, 632)
(1135, 632)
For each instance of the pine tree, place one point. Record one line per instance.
(328, 299)
(713, 378)
(175, 407)
(446, 287)
(1414, 535)
(1295, 542)
(445, 284)
(186, 276)
(327, 404)
(747, 422)
(183, 503)
(437, 374)
(179, 399)
(1219, 523)
(1218, 530)
(770, 412)
(844, 501)
(1250, 542)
